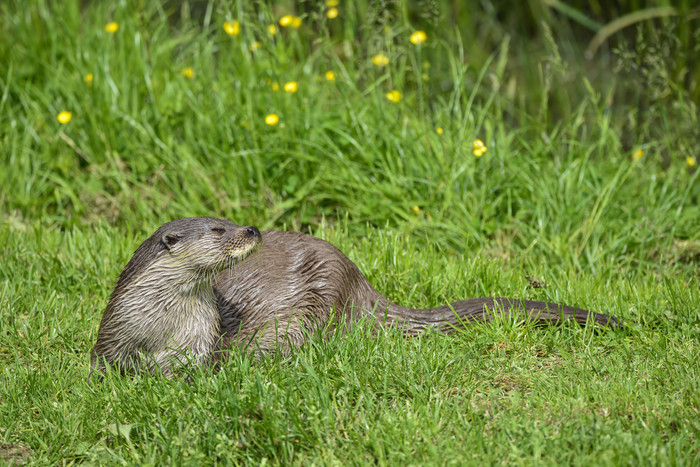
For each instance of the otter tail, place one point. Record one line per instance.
(459, 314)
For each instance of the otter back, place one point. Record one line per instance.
(292, 284)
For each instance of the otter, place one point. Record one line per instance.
(294, 283)
(163, 312)
(197, 286)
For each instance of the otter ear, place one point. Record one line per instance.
(169, 240)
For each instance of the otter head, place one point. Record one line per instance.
(190, 251)
(163, 306)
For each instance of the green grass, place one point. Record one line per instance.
(504, 392)
(556, 196)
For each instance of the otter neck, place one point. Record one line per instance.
(176, 318)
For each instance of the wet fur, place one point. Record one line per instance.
(292, 284)
(164, 307)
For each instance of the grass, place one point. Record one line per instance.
(556, 196)
(507, 391)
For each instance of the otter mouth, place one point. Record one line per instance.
(236, 254)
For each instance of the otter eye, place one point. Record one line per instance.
(218, 230)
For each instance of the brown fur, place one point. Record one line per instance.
(292, 284)
(164, 307)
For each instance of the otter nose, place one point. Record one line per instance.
(252, 232)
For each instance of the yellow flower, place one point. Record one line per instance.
(112, 27)
(415, 209)
(330, 75)
(439, 130)
(255, 46)
(272, 119)
(394, 96)
(290, 21)
(291, 86)
(188, 72)
(637, 155)
(332, 13)
(380, 60)
(88, 79)
(64, 117)
(479, 147)
(275, 86)
(690, 161)
(272, 29)
(418, 37)
(332, 3)
(232, 28)
(286, 20)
